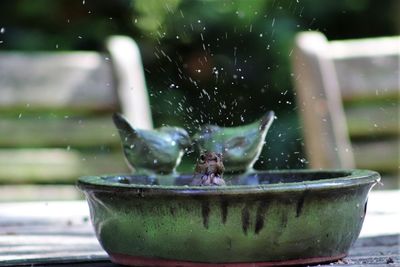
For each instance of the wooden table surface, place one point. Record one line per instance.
(60, 234)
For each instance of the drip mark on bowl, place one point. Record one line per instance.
(205, 212)
(260, 216)
(245, 219)
(300, 204)
(224, 210)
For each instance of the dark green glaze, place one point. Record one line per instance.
(313, 214)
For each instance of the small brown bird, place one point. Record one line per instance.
(209, 169)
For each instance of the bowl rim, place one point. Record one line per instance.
(355, 177)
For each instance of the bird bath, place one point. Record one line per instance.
(259, 218)
(263, 218)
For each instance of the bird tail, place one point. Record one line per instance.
(267, 120)
(124, 128)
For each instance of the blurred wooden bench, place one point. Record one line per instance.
(55, 111)
(348, 96)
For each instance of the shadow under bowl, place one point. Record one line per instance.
(263, 218)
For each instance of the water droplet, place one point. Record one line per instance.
(2, 30)
(155, 161)
(303, 160)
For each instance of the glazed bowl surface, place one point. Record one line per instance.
(262, 218)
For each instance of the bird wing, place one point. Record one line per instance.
(242, 144)
(161, 146)
(238, 141)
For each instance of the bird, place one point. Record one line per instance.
(156, 151)
(241, 146)
(209, 169)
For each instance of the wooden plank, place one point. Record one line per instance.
(25, 192)
(364, 47)
(45, 232)
(77, 80)
(382, 216)
(372, 121)
(379, 155)
(367, 66)
(132, 90)
(364, 69)
(58, 131)
(92, 261)
(319, 101)
(99, 262)
(385, 248)
(56, 165)
(366, 76)
(382, 260)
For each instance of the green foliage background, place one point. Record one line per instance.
(209, 61)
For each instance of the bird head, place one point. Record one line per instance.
(205, 132)
(179, 135)
(210, 162)
(183, 138)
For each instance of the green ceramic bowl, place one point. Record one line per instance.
(258, 219)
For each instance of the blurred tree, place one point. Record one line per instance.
(209, 61)
(227, 62)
